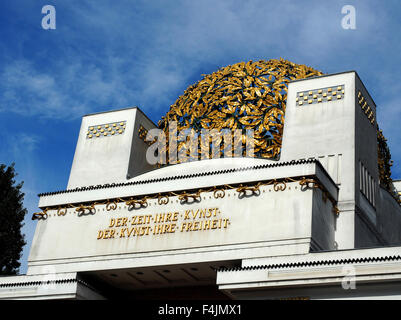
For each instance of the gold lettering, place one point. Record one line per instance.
(164, 223)
(124, 223)
(183, 226)
(136, 231)
(216, 211)
(206, 225)
(129, 231)
(106, 234)
(141, 231)
(158, 229)
(148, 218)
(118, 222)
(186, 214)
(159, 218)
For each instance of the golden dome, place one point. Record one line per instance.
(244, 96)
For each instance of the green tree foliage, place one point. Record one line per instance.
(12, 215)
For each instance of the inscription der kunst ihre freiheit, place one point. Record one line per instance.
(164, 223)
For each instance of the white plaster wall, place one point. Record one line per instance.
(47, 286)
(326, 131)
(109, 159)
(255, 221)
(323, 222)
(137, 162)
(293, 278)
(366, 154)
(389, 218)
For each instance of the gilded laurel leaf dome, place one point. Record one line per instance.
(249, 95)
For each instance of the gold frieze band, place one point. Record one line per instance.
(188, 197)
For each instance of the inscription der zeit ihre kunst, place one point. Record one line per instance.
(164, 223)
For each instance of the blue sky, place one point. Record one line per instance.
(113, 54)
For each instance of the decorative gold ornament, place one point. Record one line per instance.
(61, 211)
(40, 215)
(366, 108)
(244, 96)
(219, 192)
(319, 95)
(280, 186)
(105, 130)
(184, 198)
(111, 205)
(85, 210)
(242, 190)
(163, 199)
(136, 204)
(385, 163)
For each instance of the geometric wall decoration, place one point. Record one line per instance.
(366, 108)
(142, 133)
(106, 130)
(320, 95)
(367, 184)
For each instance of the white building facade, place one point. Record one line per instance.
(316, 224)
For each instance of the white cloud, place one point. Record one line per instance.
(67, 92)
